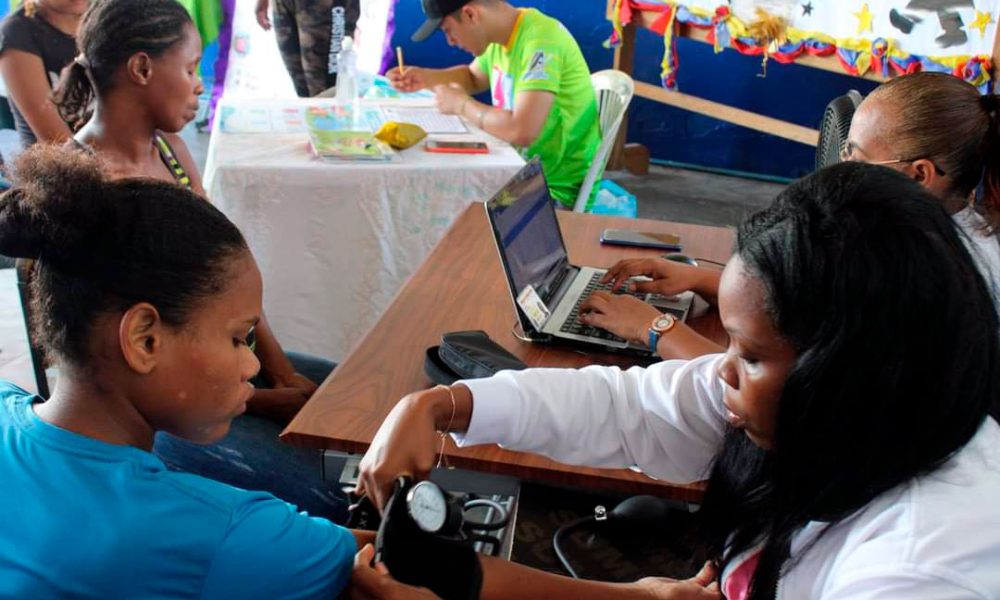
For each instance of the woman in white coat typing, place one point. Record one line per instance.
(848, 433)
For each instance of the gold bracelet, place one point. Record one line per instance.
(454, 409)
(451, 420)
(461, 109)
(482, 117)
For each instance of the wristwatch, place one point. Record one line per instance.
(660, 325)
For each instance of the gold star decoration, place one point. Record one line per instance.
(864, 19)
(983, 20)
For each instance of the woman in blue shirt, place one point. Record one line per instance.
(145, 295)
(133, 85)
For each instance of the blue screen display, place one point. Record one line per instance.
(528, 231)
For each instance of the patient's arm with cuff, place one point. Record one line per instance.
(502, 580)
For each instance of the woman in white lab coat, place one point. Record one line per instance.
(848, 432)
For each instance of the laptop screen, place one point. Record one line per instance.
(527, 232)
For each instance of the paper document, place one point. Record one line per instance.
(427, 118)
(262, 118)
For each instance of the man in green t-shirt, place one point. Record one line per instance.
(541, 95)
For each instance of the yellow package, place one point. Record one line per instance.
(400, 135)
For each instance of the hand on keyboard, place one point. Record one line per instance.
(625, 316)
(669, 278)
(577, 326)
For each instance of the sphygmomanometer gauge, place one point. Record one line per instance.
(427, 506)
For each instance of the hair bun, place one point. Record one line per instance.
(20, 230)
(56, 206)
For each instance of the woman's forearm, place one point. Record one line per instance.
(503, 579)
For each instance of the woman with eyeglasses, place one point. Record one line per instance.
(939, 131)
(934, 128)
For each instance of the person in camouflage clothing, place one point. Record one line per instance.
(309, 35)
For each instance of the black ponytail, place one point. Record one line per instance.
(102, 246)
(53, 206)
(989, 202)
(74, 94)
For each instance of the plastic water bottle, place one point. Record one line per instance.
(347, 74)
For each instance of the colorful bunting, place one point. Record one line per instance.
(770, 37)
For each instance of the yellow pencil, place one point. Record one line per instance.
(399, 58)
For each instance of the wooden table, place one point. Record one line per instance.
(461, 286)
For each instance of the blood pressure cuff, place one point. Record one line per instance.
(467, 355)
(449, 568)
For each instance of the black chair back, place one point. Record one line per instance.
(834, 128)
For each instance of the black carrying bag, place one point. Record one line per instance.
(467, 355)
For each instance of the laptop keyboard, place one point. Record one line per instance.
(573, 324)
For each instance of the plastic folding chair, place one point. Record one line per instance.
(614, 90)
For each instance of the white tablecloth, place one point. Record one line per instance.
(335, 242)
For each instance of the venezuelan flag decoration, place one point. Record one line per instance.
(884, 37)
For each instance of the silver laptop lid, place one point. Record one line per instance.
(527, 235)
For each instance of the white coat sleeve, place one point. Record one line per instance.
(913, 582)
(668, 419)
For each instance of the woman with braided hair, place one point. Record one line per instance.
(132, 86)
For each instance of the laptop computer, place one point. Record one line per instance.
(545, 288)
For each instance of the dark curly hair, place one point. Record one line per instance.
(102, 246)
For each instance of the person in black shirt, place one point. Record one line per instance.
(36, 42)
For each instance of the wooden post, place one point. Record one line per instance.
(624, 61)
(996, 56)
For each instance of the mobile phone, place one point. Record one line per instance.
(625, 237)
(456, 147)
